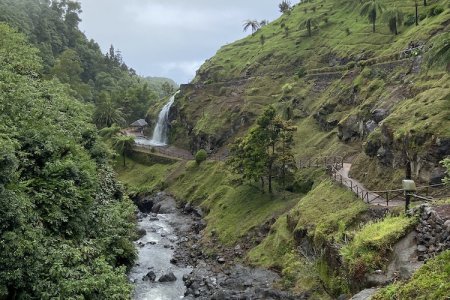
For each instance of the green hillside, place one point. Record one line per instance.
(380, 100)
(344, 87)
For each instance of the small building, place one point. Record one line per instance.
(139, 125)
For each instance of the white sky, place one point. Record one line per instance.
(170, 38)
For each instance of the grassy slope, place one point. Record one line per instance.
(143, 176)
(234, 208)
(328, 213)
(416, 102)
(370, 246)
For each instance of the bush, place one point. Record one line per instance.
(287, 88)
(434, 11)
(200, 156)
(301, 72)
(410, 20)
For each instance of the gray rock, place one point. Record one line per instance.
(170, 277)
(365, 294)
(447, 225)
(371, 126)
(156, 208)
(151, 276)
(379, 115)
(421, 248)
(437, 175)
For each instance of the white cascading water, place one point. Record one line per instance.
(159, 137)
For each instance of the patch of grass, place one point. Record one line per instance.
(431, 281)
(370, 247)
(233, 208)
(277, 251)
(143, 177)
(327, 211)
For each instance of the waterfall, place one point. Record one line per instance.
(159, 137)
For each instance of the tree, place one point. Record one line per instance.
(394, 18)
(308, 24)
(200, 156)
(168, 89)
(285, 7)
(123, 144)
(109, 132)
(371, 9)
(106, 114)
(265, 152)
(262, 39)
(263, 23)
(253, 24)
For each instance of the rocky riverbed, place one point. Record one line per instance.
(173, 265)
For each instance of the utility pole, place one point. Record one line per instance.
(408, 172)
(407, 177)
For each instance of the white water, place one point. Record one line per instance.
(154, 255)
(159, 137)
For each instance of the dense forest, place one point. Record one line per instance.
(104, 80)
(66, 227)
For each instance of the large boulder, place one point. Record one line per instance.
(437, 175)
(379, 115)
(151, 276)
(169, 277)
(144, 203)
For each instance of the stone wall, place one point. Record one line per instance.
(433, 231)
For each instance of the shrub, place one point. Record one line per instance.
(287, 88)
(434, 11)
(200, 156)
(410, 20)
(301, 72)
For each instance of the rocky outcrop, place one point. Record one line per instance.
(433, 231)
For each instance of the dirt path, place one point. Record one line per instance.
(358, 187)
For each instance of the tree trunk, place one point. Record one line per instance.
(373, 26)
(395, 28)
(262, 183)
(424, 2)
(123, 155)
(269, 176)
(270, 183)
(417, 14)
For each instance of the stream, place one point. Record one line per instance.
(173, 244)
(155, 251)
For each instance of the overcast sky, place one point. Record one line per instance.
(170, 38)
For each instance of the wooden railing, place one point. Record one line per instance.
(326, 161)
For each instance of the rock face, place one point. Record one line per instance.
(433, 231)
(402, 265)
